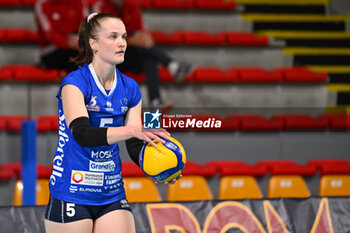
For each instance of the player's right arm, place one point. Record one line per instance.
(77, 119)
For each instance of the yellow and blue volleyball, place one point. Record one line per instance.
(164, 162)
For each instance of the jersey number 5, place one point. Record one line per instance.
(106, 121)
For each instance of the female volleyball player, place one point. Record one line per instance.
(97, 108)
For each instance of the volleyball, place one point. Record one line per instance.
(164, 162)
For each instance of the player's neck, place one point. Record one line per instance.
(105, 74)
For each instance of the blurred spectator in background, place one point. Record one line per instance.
(142, 54)
(58, 24)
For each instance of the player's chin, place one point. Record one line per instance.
(119, 61)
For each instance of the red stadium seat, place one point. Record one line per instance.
(28, 3)
(301, 122)
(301, 74)
(144, 3)
(201, 38)
(10, 3)
(286, 167)
(255, 74)
(230, 123)
(233, 75)
(35, 74)
(43, 172)
(258, 123)
(210, 74)
(140, 78)
(2, 35)
(6, 174)
(2, 125)
(30, 73)
(215, 5)
(130, 169)
(245, 39)
(164, 38)
(236, 168)
(330, 166)
(195, 169)
(165, 75)
(5, 74)
(173, 4)
(20, 35)
(52, 119)
(43, 126)
(337, 121)
(13, 122)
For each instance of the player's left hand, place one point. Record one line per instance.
(170, 182)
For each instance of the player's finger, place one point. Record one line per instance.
(159, 139)
(150, 141)
(164, 134)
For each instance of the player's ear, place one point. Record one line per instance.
(93, 44)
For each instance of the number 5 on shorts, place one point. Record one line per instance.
(70, 211)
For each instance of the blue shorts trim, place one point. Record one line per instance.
(64, 212)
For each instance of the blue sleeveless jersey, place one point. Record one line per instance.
(92, 175)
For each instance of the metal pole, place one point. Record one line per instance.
(29, 162)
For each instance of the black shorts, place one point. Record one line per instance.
(64, 212)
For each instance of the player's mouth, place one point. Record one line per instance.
(120, 52)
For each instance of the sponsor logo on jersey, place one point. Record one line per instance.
(124, 101)
(101, 154)
(90, 190)
(124, 105)
(124, 203)
(87, 178)
(92, 106)
(73, 188)
(58, 159)
(102, 166)
(109, 106)
(124, 109)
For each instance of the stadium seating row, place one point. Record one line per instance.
(238, 180)
(196, 4)
(158, 4)
(231, 122)
(216, 167)
(24, 35)
(30, 73)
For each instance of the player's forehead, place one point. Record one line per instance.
(109, 25)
